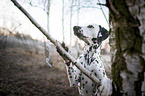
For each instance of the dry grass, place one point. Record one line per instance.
(25, 74)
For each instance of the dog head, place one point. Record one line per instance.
(91, 34)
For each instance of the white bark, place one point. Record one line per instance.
(134, 66)
(127, 40)
(71, 8)
(63, 20)
(48, 11)
(137, 10)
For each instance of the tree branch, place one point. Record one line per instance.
(101, 4)
(111, 8)
(86, 6)
(103, 12)
(56, 43)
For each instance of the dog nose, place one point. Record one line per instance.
(75, 28)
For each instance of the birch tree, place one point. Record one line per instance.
(59, 47)
(45, 5)
(47, 46)
(63, 20)
(127, 41)
(71, 10)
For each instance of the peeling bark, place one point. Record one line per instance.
(127, 41)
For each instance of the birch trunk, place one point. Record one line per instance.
(48, 12)
(47, 46)
(127, 41)
(71, 9)
(63, 20)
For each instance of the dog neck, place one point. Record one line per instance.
(92, 52)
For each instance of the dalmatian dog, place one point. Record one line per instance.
(92, 35)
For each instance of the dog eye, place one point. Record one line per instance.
(90, 26)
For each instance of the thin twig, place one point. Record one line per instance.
(91, 7)
(56, 43)
(103, 12)
(16, 27)
(101, 4)
(86, 6)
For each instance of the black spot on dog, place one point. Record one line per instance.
(86, 91)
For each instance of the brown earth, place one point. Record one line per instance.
(23, 71)
(25, 74)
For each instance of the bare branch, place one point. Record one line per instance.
(81, 7)
(103, 13)
(111, 8)
(16, 27)
(36, 6)
(56, 43)
(89, 7)
(86, 6)
(101, 4)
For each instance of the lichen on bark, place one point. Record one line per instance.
(126, 43)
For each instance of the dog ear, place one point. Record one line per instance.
(102, 35)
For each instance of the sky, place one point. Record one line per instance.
(11, 18)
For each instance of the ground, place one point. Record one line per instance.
(25, 74)
(23, 71)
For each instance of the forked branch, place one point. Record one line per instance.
(56, 43)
